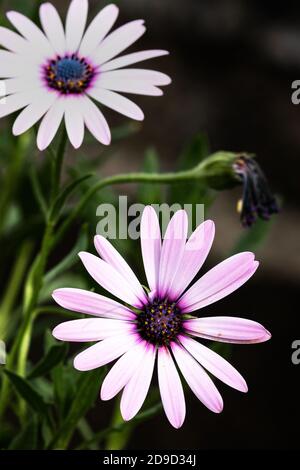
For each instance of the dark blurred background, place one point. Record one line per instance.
(232, 63)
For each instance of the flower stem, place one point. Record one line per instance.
(57, 162)
(150, 178)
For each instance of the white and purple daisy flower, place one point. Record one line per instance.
(59, 72)
(158, 324)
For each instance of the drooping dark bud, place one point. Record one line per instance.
(257, 199)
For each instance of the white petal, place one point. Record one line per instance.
(98, 29)
(197, 379)
(13, 65)
(50, 124)
(151, 246)
(118, 40)
(13, 103)
(138, 87)
(109, 254)
(149, 76)
(109, 278)
(17, 85)
(75, 24)
(32, 33)
(215, 364)
(33, 113)
(133, 58)
(74, 120)
(95, 121)
(90, 303)
(122, 371)
(117, 102)
(170, 388)
(171, 253)
(53, 27)
(13, 41)
(136, 389)
(104, 352)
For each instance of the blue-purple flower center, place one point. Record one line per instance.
(69, 74)
(160, 322)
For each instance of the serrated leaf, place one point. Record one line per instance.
(27, 392)
(55, 355)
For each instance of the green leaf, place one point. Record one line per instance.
(55, 355)
(72, 258)
(150, 193)
(68, 279)
(65, 379)
(27, 392)
(61, 198)
(86, 394)
(253, 238)
(27, 439)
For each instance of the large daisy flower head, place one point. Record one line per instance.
(159, 324)
(59, 73)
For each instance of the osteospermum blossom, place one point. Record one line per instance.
(59, 72)
(157, 325)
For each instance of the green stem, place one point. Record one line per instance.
(156, 178)
(13, 287)
(57, 161)
(10, 180)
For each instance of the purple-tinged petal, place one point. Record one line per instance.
(197, 379)
(172, 252)
(135, 391)
(104, 352)
(109, 254)
(91, 329)
(151, 245)
(228, 330)
(170, 388)
(215, 364)
(90, 303)
(195, 253)
(110, 279)
(219, 282)
(122, 371)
